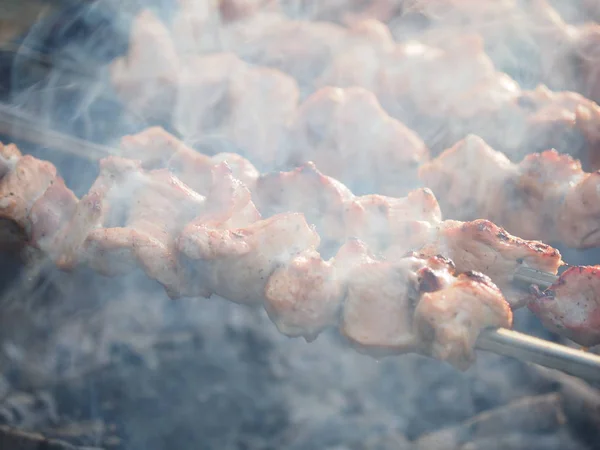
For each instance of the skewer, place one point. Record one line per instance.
(538, 351)
(528, 276)
(500, 341)
(20, 125)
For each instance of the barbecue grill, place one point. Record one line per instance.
(76, 143)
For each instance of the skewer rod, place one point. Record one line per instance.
(529, 276)
(20, 125)
(538, 351)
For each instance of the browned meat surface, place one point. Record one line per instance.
(571, 306)
(546, 196)
(379, 154)
(451, 319)
(482, 246)
(219, 244)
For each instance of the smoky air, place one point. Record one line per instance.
(286, 224)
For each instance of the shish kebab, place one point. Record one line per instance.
(524, 347)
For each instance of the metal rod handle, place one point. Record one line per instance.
(538, 351)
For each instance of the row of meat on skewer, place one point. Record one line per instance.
(267, 84)
(399, 279)
(357, 135)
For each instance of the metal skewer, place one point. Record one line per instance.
(538, 351)
(501, 341)
(20, 125)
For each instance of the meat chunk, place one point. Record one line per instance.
(263, 104)
(382, 221)
(235, 263)
(526, 39)
(298, 48)
(322, 199)
(100, 205)
(337, 125)
(157, 148)
(146, 77)
(546, 196)
(418, 304)
(337, 213)
(531, 200)
(578, 215)
(50, 213)
(482, 246)
(571, 306)
(25, 180)
(450, 319)
(221, 96)
(160, 207)
(304, 296)
(379, 306)
(467, 178)
(381, 298)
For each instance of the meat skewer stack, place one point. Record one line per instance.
(419, 302)
(440, 91)
(546, 195)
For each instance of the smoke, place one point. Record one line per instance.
(233, 76)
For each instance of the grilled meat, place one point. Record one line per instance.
(482, 246)
(571, 306)
(546, 195)
(449, 320)
(349, 124)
